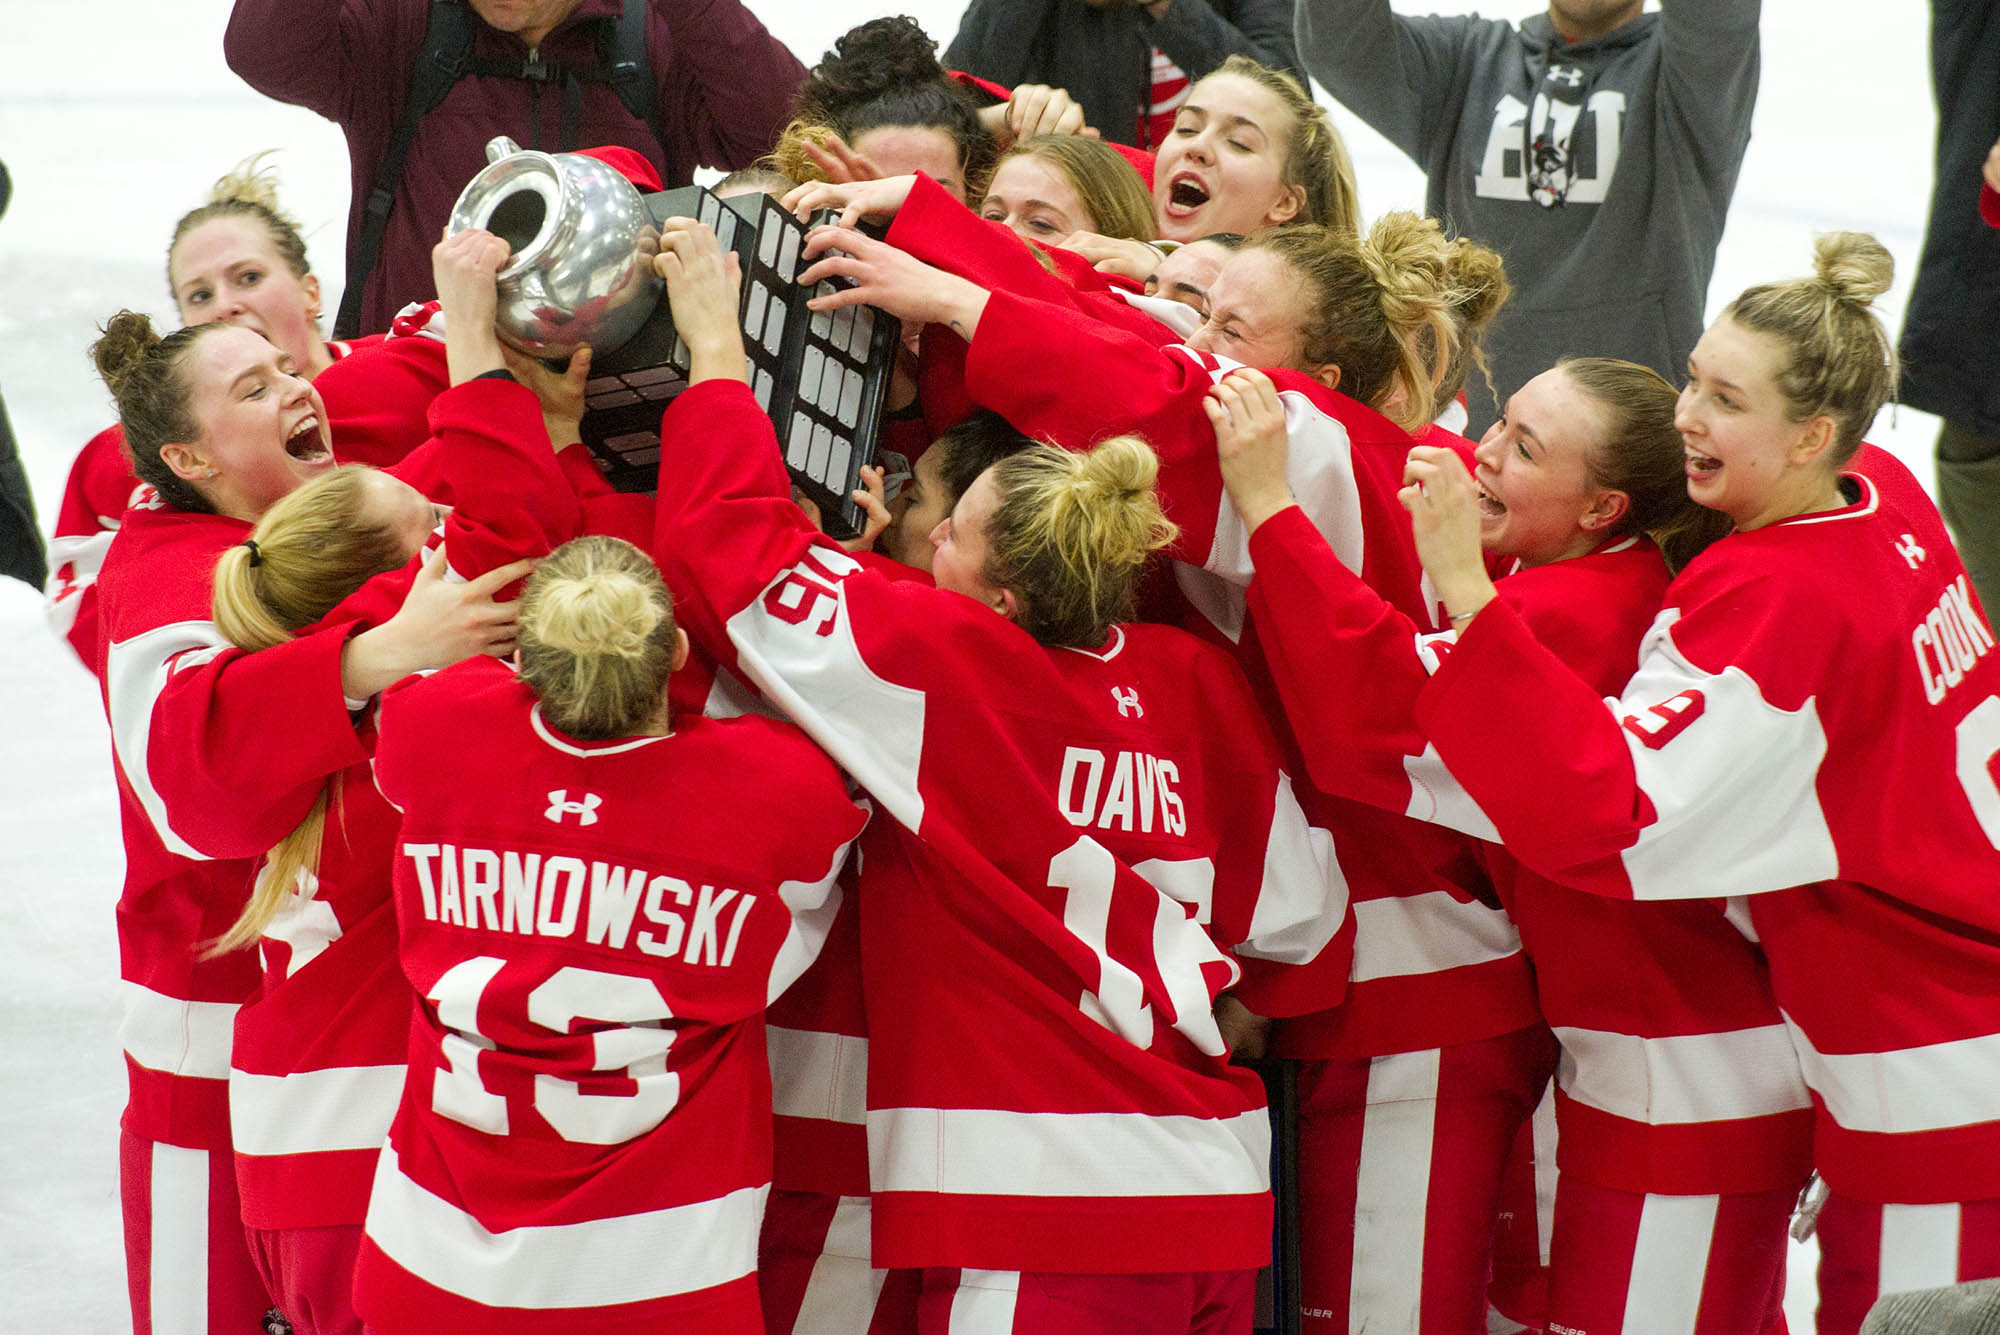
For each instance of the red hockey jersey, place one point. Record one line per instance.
(595, 929)
(1434, 964)
(1677, 1073)
(935, 227)
(319, 1057)
(187, 713)
(1814, 715)
(1075, 830)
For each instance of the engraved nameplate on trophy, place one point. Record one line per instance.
(822, 376)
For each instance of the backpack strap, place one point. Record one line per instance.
(445, 58)
(622, 66)
(440, 63)
(622, 47)
(621, 52)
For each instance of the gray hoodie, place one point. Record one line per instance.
(1601, 170)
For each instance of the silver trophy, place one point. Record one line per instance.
(582, 243)
(581, 271)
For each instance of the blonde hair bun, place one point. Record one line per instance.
(1479, 283)
(1854, 266)
(610, 612)
(1411, 261)
(1119, 467)
(251, 181)
(1071, 534)
(597, 639)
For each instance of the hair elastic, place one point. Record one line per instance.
(256, 557)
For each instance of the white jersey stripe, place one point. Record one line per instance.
(596, 1263)
(873, 727)
(1930, 1088)
(1669, 1264)
(177, 1271)
(135, 672)
(1320, 469)
(339, 1108)
(1427, 933)
(991, 1152)
(843, 1290)
(984, 1302)
(1303, 886)
(1919, 1247)
(813, 906)
(1723, 827)
(163, 1033)
(1392, 1192)
(83, 554)
(1685, 1078)
(818, 1075)
(1435, 793)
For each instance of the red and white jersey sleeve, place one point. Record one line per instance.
(378, 391)
(510, 496)
(1061, 376)
(222, 751)
(1350, 666)
(186, 878)
(1814, 714)
(1046, 1086)
(938, 229)
(102, 486)
(316, 1072)
(594, 930)
(935, 227)
(1677, 1073)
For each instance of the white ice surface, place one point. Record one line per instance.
(114, 117)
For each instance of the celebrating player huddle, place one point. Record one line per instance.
(1210, 701)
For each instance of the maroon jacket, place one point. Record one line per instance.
(724, 88)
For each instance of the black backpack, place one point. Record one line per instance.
(445, 58)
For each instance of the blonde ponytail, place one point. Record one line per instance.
(1071, 534)
(312, 548)
(597, 638)
(1411, 263)
(1840, 360)
(291, 865)
(315, 545)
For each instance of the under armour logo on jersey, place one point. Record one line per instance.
(1128, 702)
(1907, 548)
(1570, 76)
(584, 811)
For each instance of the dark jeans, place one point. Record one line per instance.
(1968, 469)
(21, 552)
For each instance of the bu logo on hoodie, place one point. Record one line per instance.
(1558, 154)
